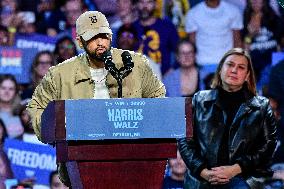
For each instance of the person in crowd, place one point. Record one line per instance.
(261, 33)
(9, 17)
(127, 39)
(127, 14)
(65, 48)
(275, 94)
(43, 10)
(4, 36)
(29, 134)
(176, 10)
(55, 182)
(234, 129)
(214, 27)
(63, 19)
(28, 24)
(85, 76)
(184, 81)
(5, 167)
(108, 8)
(177, 170)
(9, 104)
(41, 63)
(158, 37)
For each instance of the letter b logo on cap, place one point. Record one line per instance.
(93, 19)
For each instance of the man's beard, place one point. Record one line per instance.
(94, 55)
(143, 15)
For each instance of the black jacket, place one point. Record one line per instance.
(251, 141)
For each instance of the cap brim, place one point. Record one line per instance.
(92, 33)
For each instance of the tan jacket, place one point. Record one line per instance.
(72, 80)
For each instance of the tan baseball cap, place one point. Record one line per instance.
(92, 23)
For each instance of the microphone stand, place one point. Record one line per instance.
(120, 74)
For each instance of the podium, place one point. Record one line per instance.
(116, 143)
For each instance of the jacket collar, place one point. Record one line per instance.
(251, 100)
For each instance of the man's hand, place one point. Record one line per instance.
(220, 175)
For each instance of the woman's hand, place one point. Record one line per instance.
(220, 175)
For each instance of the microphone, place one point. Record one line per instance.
(127, 62)
(109, 65)
(120, 74)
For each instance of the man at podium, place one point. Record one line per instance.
(96, 73)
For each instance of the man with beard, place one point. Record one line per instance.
(158, 37)
(85, 77)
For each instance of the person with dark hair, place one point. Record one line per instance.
(41, 63)
(65, 48)
(234, 129)
(177, 170)
(54, 181)
(261, 33)
(86, 77)
(9, 104)
(127, 39)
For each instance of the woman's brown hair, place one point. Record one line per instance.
(251, 84)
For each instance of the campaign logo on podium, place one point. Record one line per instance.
(125, 118)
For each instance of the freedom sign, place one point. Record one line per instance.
(30, 160)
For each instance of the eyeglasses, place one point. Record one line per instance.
(45, 62)
(186, 53)
(127, 35)
(70, 46)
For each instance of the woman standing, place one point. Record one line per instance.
(234, 129)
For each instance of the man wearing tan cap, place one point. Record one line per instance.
(85, 76)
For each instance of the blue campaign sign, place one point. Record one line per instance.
(30, 160)
(35, 41)
(97, 119)
(17, 62)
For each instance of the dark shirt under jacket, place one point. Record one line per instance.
(230, 103)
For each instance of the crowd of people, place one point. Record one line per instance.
(184, 41)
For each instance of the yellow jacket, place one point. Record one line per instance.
(72, 79)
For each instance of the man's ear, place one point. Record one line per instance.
(79, 42)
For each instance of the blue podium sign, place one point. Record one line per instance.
(98, 119)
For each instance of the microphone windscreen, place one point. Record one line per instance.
(127, 60)
(125, 56)
(106, 55)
